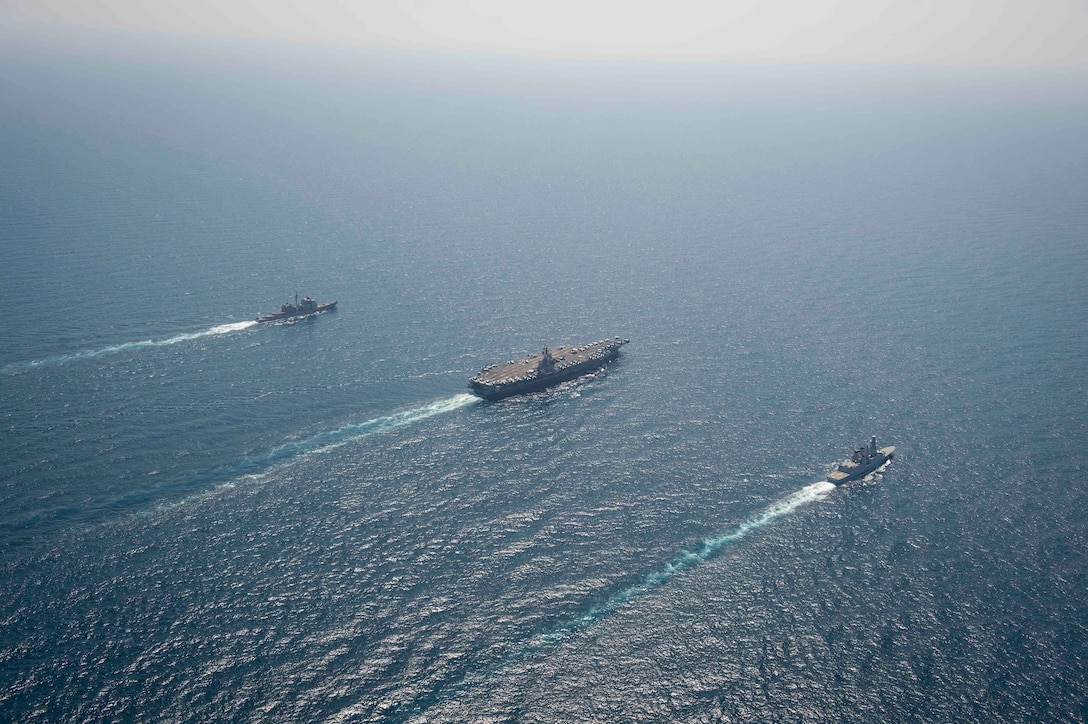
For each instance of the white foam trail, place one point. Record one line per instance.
(87, 354)
(687, 559)
(255, 465)
(324, 441)
(334, 438)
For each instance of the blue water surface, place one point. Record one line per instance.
(206, 519)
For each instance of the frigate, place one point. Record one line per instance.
(864, 461)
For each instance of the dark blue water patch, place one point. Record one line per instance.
(43, 524)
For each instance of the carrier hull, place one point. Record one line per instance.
(538, 372)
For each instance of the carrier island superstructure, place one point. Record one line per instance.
(550, 367)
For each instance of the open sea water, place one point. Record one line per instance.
(206, 519)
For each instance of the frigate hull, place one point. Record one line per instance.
(864, 461)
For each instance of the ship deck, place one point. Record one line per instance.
(506, 372)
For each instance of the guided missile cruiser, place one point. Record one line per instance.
(304, 308)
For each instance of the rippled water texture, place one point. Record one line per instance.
(206, 519)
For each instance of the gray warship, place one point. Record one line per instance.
(864, 461)
(539, 371)
(303, 308)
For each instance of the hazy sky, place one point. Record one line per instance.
(933, 32)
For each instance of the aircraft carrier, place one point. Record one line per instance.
(550, 367)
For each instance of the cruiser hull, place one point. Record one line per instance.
(278, 316)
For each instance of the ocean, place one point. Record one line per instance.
(207, 519)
